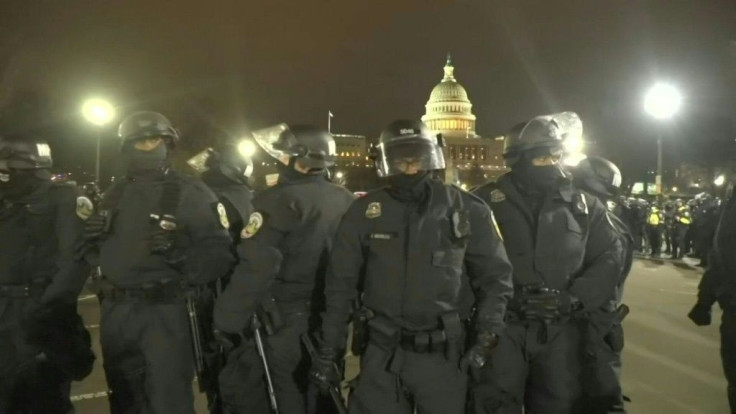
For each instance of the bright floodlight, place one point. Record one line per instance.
(246, 148)
(719, 180)
(662, 101)
(98, 111)
(339, 174)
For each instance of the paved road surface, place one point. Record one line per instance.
(670, 366)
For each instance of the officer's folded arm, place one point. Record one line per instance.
(602, 263)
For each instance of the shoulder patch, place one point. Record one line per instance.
(85, 208)
(497, 196)
(373, 210)
(255, 222)
(222, 213)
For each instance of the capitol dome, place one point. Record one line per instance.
(448, 110)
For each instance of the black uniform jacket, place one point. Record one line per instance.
(412, 263)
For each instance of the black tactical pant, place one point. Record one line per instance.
(147, 354)
(289, 364)
(679, 232)
(26, 385)
(655, 238)
(242, 382)
(603, 341)
(728, 352)
(400, 381)
(534, 368)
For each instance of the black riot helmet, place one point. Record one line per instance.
(405, 141)
(231, 160)
(598, 176)
(148, 124)
(546, 133)
(24, 153)
(311, 146)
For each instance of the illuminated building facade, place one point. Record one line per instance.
(471, 159)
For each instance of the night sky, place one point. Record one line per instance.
(242, 65)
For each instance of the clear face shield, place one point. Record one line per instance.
(408, 156)
(267, 137)
(199, 162)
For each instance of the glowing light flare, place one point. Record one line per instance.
(339, 175)
(720, 180)
(573, 159)
(662, 101)
(674, 189)
(246, 148)
(98, 111)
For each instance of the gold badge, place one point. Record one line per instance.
(85, 208)
(223, 216)
(497, 196)
(254, 224)
(373, 210)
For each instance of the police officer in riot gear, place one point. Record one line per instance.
(602, 329)
(158, 237)
(719, 285)
(226, 170)
(43, 343)
(283, 252)
(567, 261)
(419, 255)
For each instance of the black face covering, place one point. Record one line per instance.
(146, 163)
(407, 187)
(23, 182)
(537, 178)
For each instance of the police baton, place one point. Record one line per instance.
(256, 324)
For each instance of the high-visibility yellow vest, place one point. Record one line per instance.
(683, 215)
(654, 218)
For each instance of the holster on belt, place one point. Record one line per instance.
(270, 316)
(452, 328)
(361, 316)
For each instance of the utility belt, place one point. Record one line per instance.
(164, 291)
(271, 313)
(447, 338)
(34, 289)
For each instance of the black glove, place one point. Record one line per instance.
(700, 314)
(162, 243)
(324, 369)
(479, 354)
(58, 331)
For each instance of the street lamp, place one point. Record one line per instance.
(246, 148)
(662, 101)
(98, 112)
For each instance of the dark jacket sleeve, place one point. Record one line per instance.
(603, 259)
(208, 254)
(488, 269)
(341, 282)
(72, 273)
(259, 264)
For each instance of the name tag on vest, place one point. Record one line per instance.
(382, 236)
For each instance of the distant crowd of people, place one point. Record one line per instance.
(671, 227)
